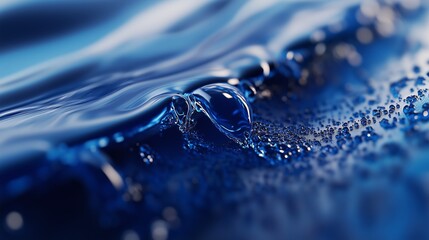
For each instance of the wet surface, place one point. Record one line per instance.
(238, 120)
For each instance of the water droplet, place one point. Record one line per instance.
(397, 86)
(384, 123)
(182, 109)
(227, 108)
(147, 154)
(420, 81)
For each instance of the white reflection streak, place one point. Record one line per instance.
(137, 29)
(112, 175)
(141, 26)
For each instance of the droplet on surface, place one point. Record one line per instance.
(147, 154)
(227, 108)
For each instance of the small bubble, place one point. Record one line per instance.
(130, 235)
(118, 137)
(169, 214)
(364, 35)
(397, 86)
(318, 36)
(420, 81)
(146, 154)
(416, 69)
(14, 221)
(103, 142)
(384, 123)
(159, 230)
(320, 49)
(369, 8)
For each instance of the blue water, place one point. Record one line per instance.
(214, 120)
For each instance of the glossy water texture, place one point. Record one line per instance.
(214, 120)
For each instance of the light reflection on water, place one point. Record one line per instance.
(300, 120)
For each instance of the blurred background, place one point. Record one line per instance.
(214, 119)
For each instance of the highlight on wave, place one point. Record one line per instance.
(214, 120)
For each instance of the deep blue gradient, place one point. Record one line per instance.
(214, 120)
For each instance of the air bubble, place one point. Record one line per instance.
(146, 154)
(227, 108)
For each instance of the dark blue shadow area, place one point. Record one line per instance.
(214, 120)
